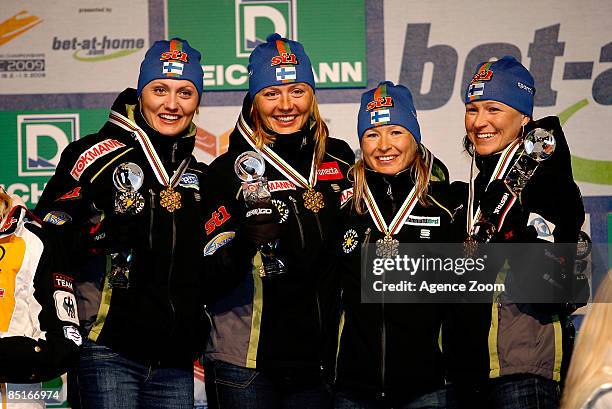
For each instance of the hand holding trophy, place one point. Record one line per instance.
(261, 222)
(539, 145)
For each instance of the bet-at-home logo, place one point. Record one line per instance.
(41, 138)
(256, 19)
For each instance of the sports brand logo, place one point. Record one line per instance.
(381, 102)
(41, 138)
(284, 58)
(256, 19)
(480, 76)
(174, 55)
(329, 171)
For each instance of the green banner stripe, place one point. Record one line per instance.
(587, 170)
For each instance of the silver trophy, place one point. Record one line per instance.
(250, 167)
(128, 178)
(539, 145)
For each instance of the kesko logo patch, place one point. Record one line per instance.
(329, 171)
(92, 154)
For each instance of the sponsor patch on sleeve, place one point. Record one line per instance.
(93, 154)
(345, 195)
(190, 181)
(218, 241)
(217, 218)
(423, 220)
(57, 218)
(63, 282)
(66, 306)
(329, 171)
(543, 227)
(71, 195)
(73, 334)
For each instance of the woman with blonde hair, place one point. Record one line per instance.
(266, 345)
(589, 380)
(39, 338)
(388, 354)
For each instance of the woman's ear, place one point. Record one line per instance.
(525, 120)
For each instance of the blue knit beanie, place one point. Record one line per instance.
(505, 80)
(174, 59)
(388, 104)
(278, 61)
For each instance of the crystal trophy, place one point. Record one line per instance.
(250, 167)
(539, 145)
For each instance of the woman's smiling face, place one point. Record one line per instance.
(492, 125)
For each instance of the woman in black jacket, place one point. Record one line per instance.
(270, 306)
(130, 196)
(512, 352)
(388, 354)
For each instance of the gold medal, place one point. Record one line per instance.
(170, 199)
(470, 248)
(313, 200)
(387, 247)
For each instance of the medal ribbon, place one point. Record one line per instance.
(149, 151)
(405, 210)
(279, 163)
(500, 170)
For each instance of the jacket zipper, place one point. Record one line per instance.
(172, 308)
(320, 326)
(319, 226)
(171, 268)
(383, 347)
(297, 217)
(390, 194)
(173, 158)
(151, 214)
(383, 329)
(364, 248)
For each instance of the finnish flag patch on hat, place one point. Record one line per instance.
(172, 67)
(380, 117)
(286, 73)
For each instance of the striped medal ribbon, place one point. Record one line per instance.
(313, 200)
(389, 246)
(500, 170)
(170, 199)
